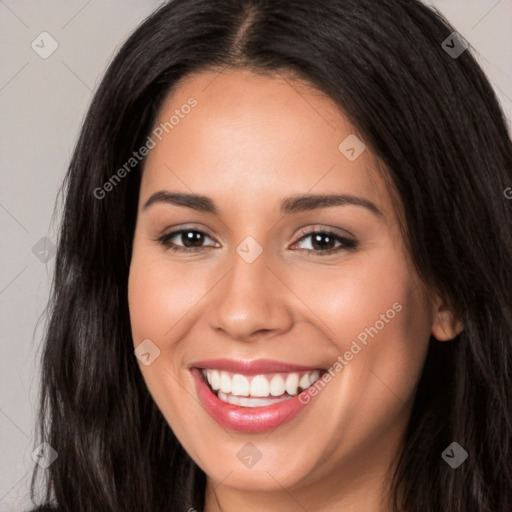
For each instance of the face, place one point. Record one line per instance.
(305, 310)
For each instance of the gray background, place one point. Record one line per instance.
(43, 103)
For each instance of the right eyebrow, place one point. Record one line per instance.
(194, 201)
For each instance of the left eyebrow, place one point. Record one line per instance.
(302, 203)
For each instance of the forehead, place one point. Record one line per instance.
(263, 136)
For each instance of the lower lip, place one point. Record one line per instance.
(247, 419)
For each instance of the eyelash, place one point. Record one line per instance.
(346, 243)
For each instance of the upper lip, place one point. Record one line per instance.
(252, 367)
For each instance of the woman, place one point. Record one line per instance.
(275, 214)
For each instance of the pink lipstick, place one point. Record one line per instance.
(253, 396)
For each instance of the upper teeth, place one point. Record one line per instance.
(274, 384)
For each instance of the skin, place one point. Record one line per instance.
(251, 141)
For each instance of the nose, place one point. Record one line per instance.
(251, 301)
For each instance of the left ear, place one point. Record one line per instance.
(445, 325)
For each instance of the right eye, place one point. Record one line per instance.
(191, 239)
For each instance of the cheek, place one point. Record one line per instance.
(160, 294)
(374, 312)
(377, 318)
(376, 290)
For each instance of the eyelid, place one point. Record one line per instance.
(323, 228)
(173, 230)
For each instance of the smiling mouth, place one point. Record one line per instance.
(258, 390)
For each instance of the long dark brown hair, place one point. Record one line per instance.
(434, 123)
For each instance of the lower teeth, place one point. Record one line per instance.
(251, 401)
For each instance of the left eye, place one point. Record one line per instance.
(323, 242)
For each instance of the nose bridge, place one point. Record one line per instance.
(250, 271)
(250, 298)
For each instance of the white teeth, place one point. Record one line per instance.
(304, 381)
(240, 385)
(314, 377)
(251, 402)
(225, 382)
(260, 386)
(213, 377)
(292, 381)
(277, 387)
